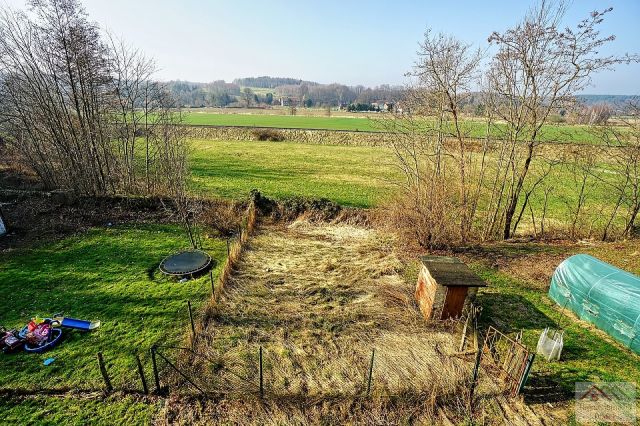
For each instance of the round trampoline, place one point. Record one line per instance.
(186, 262)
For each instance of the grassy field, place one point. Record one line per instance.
(356, 122)
(107, 274)
(351, 176)
(289, 121)
(110, 275)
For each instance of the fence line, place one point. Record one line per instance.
(235, 249)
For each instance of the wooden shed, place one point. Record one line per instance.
(445, 285)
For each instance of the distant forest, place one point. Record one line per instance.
(286, 91)
(297, 92)
(265, 82)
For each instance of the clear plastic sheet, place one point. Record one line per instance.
(602, 294)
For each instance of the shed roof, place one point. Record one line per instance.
(450, 271)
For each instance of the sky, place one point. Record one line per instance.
(347, 41)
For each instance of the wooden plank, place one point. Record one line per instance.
(454, 302)
(450, 271)
(425, 293)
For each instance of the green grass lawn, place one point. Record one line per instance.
(516, 300)
(283, 121)
(587, 355)
(53, 410)
(473, 128)
(351, 176)
(108, 274)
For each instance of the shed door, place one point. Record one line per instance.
(454, 302)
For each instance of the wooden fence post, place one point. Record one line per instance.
(193, 326)
(145, 389)
(103, 371)
(463, 341)
(373, 354)
(261, 376)
(156, 376)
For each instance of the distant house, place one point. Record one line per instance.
(289, 101)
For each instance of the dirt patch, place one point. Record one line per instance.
(36, 217)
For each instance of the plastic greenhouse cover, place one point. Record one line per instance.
(601, 294)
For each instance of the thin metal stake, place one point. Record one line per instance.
(525, 375)
(476, 370)
(145, 389)
(156, 376)
(105, 375)
(373, 354)
(261, 377)
(213, 284)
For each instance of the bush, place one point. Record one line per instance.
(268, 135)
(428, 218)
(222, 218)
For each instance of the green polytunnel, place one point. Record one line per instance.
(602, 294)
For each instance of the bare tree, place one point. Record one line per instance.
(535, 72)
(247, 96)
(443, 175)
(75, 107)
(597, 114)
(55, 74)
(447, 70)
(581, 165)
(623, 180)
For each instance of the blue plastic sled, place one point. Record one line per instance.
(78, 324)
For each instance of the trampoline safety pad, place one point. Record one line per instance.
(185, 263)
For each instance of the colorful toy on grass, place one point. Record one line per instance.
(41, 334)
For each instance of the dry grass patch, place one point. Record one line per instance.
(319, 299)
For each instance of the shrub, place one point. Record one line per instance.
(268, 135)
(426, 216)
(222, 218)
